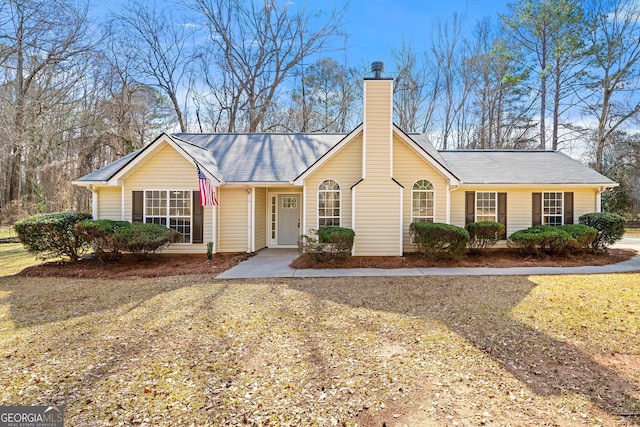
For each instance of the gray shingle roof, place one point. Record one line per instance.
(520, 167)
(283, 157)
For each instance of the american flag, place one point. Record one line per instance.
(207, 195)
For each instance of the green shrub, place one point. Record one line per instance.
(543, 239)
(331, 243)
(583, 234)
(109, 239)
(143, 239)
(104, 237)
(610, 228)
(435, 240)
(52, 235)
(483, 235)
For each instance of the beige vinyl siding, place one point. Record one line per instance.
(378, 127)
(345, 167)
(409, 167)
(166, 169)
(109, 203)
(233, 220)
(261, 218)
(377, 218)
(519, 203)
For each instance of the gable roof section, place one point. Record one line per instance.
(421, 144)
(521, 167)
(273, 157)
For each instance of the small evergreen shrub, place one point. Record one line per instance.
(143, 239)
(543, 239)
(109, 239)
(483, 235)
(327, 243)
(610, 228)
(104, 236)
(584, 235)
(52, 235)
(435, 240)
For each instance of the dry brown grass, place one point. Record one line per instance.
(189, 350)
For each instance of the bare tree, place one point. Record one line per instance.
(615, 71)
(255, 46)
(159, 50)
(416, 90)
(39, 40)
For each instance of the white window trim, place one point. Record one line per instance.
(318, 202)
(433, 191)
(475, 210)
(561, 214)
(168, 217)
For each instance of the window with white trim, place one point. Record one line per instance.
(422, 201)
(552, 208)
(329, 203)
(486, 206)
(171, 208)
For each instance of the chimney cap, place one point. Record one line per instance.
(377, 67)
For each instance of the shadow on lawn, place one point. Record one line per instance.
(35, 300)
(480, 312)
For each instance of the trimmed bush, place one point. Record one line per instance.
(52, 235)
(543, 239)
(435, 240)
(331, 243)
(143, 239)
(104, 237)
(583, 234)
(610, 228)
(483, 235)
(109, 239)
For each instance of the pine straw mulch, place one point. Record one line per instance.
(497, 258)
(396, 351)
(155, 265)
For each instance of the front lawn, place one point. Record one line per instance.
(189, 350)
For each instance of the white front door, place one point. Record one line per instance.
(289, 208)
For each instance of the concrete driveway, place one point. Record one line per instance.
(275, 263)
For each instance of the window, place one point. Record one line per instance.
(170, 208)
(328, 203)
(552, 208)
(422, 202)
(486, 206)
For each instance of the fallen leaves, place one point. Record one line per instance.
(188, 350)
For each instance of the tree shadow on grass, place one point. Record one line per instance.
(35, 300)
(479, 311)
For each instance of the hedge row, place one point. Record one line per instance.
(69, 234)
(435, 240)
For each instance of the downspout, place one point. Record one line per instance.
(448, 206)
(214, 224)
(122, 205)
(94, 203)
(253, 219)
(249, 218)
(599, 199)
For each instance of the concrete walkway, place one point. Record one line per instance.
(275, 263)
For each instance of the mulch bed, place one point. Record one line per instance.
(492, 258)
(156, 265)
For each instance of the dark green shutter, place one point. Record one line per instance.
(502, 212)
(198, 219)
(137, 206)
(568, 208)
(470, 207)
(536, 211)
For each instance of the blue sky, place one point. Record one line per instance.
(374, 27)
(377, 27)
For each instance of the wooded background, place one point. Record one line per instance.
(79, 91)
